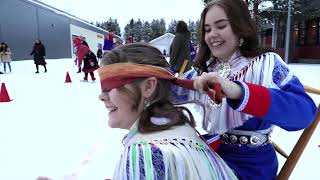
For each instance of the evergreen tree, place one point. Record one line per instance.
(111, 25)
(158, 28)
(162, 26)
(146, 32)
(193, 28)
(172, 27)
(137, 33)
(129, 29)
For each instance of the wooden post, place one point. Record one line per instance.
(280, 151)
(312, 90)
(183, 67)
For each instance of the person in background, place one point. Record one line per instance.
(259, 88)
(193, 52)
(84, 42)
(129, 40)
(118, 42)
(39, 53)
(164, 52)
(180, 48)
(5, 56)
(84, 54)
(77, 61)
(108, 44)
(99, 53)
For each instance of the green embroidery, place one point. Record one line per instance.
(148, 160)
(133, 159)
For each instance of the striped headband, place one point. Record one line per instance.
(119, 74)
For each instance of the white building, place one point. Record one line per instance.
(163, 42)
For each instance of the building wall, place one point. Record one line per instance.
(54, 33)
(18, 30)
(22, 22)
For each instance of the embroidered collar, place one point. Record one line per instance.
(236, 63)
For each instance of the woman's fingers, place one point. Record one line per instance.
(202, 82)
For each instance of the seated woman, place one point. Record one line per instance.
(162, 142)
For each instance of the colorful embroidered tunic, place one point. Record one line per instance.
(175, 154)
(272, 96)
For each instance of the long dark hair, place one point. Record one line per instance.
(37, 44)
(182, 27)
(160, 104)
(242, 25)
(5, 48)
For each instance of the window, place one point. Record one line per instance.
(281, 36)
(302, 32)
(295, 36)
(318, 30)
(311, 36)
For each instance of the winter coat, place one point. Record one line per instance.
(180, 51)
(39, 53)
(99, 53)
(5, 55)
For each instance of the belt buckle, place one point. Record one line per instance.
(254, 140)
(243, 140)
(225, 138)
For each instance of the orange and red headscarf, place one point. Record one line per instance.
(119, 74)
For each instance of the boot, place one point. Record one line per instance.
(79, 70)
(85, 77)
(45, 68)
(37, 69)
(92, 76)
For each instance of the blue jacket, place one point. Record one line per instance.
(288, 107)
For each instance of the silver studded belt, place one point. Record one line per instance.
(249, 138)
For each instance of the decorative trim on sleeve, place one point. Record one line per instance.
(245, 99)
(258, 103)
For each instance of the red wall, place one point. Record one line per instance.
(308, 52)
(303, 52)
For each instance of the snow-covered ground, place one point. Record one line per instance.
(51, 127)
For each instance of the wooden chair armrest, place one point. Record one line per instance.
(311, 90)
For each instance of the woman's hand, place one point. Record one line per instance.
(229, 89)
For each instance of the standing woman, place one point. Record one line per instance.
(5, 54)
(108, 44)
(39, 54)
(180, 47)
(85, 55)
(260, 90)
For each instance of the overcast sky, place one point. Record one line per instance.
(124, 10)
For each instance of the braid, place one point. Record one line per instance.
(167, 110)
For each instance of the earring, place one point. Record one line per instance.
(241, 40)
(146, 103)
